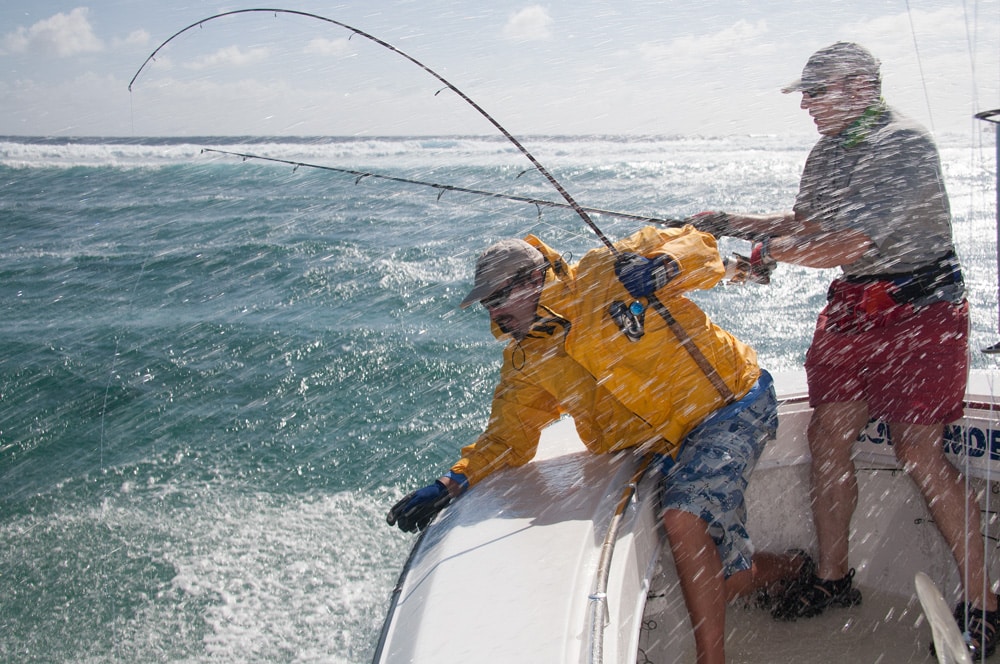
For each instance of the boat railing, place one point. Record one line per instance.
(599, 617)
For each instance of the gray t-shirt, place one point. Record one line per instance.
(883, 178)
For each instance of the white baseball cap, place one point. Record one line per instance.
(498, 264)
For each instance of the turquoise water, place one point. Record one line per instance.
(217, 375)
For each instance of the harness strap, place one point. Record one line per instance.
(688, 344)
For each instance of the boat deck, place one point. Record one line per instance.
(893, 539)
(884, 629)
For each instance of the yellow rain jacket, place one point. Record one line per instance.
(646, 394)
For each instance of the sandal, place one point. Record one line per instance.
(979, 629)
(765, 598)
(809, 596)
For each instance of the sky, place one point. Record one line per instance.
(664, 67)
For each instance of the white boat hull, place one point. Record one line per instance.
(512, 571)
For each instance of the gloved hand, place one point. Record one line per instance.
(417, 508)
(643, 276)
(710, 221)
(756, 268)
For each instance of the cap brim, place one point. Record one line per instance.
(795, 86)
(476, 294)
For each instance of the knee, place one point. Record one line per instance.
(825, 443)
(927, 469)
(909, 460)
(834, 428)
(677, 521)
(685, 530)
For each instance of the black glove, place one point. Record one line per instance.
(417, 508)
(643, 276)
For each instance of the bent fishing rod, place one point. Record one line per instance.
(571, 203)
(682, 336)
(442, 188)
(357, 31)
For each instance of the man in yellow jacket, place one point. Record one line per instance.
(613, 342)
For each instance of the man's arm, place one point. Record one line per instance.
(801, 242)
(519, 412)
(820, 249)
(764, 225)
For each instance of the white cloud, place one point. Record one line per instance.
(135, 38)
(230, 56)
(895, 34)
(63, 35)
(742, 37)
(327, 47)
(530, 24)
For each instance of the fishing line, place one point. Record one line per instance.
(988, 116)
(920, 66)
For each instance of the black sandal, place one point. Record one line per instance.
(979, 628)
(810, 595)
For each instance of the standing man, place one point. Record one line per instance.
(592, 340)
(892, 341)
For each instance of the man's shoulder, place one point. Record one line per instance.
(902, 129)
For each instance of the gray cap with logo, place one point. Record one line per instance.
(834, 63)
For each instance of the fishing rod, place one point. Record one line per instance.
(442, 188)
(357, 31)
(654, 303)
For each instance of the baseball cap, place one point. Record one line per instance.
(498, 264)
(833, 63)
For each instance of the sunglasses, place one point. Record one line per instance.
(499, 297)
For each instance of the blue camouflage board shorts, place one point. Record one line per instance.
(712, 470)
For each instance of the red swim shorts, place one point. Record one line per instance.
(909, 366)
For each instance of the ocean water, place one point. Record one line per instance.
(218, 374)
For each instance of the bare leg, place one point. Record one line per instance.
(832, 431)
(706, 591)
(919, 449)
(699, 569)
